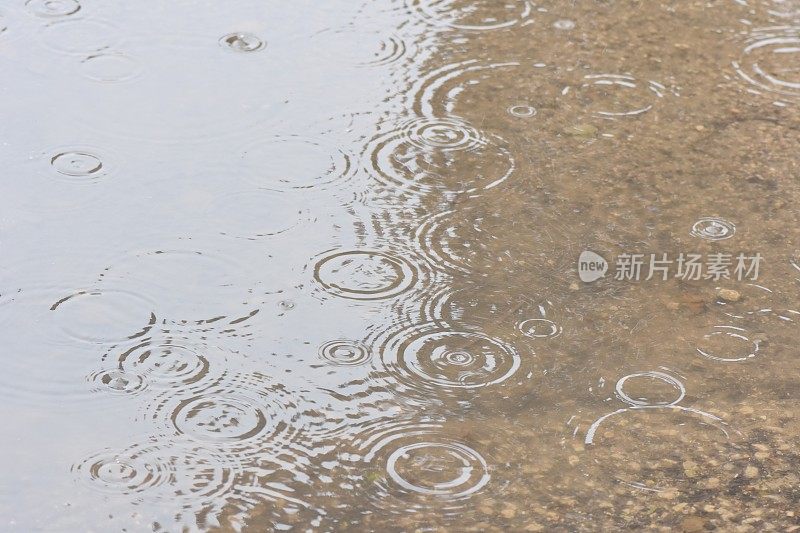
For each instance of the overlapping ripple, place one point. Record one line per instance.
(194, 477)
(245, 414)
(362, 274)
(429, 357)
(443, 154)
(472, 15)
(768, 62)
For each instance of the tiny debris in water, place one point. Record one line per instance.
(581, 130)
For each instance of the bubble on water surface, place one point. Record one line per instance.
(293, 162)
(769, 62)
(713, 229)
(345, 353)
(80, 36)
(53, 8)
(472, 15)
(446, 155)
(242, 42)
(110, 67)
(104, 316)
(650, 388)
(728, 344)
(448, 470)
(429, 357)
(77, 164)
(364, 274)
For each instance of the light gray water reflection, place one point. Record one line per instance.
(313, 265)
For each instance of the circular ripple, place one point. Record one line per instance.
(432, 357)
(110, 67)
(184, 284)
(472, 15)
(646, 386)
(242, 42)
(780, 9)
(245, 96)
(713, 229)
(446, 155)
(364, 274)
(252, 214)
(230, 418)
(728, 344)
(444, 469)
(246, 413)
(117, 382)
(476, 239)
(539, 328)
(53, 8)
(137, 469)
(522, 111)
(617, 95)
(152, 472)
(659, 448)
(104, 316)
(80, 36)
(345, 353)
(445, 134)
(77, 164)
(360, 47)
(165, 364)
(769, 62)
(437, 93)
(291, 162)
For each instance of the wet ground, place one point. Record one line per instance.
(314, 265)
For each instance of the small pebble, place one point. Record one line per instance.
(751, 472)
(729, 295)
(693, 524)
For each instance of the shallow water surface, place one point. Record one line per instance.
(315, 265)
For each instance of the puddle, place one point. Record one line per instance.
(400, 265)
